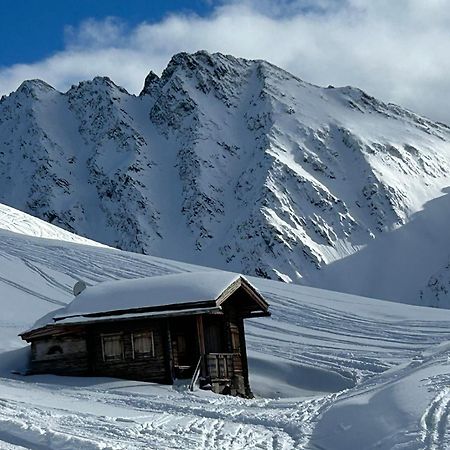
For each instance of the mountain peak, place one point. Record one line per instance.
(98, 83)
(35, 87)
(150, 81)
(202, 61)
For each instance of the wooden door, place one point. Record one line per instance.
(214, 342)
(181, 350)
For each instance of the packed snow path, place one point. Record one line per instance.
(330, 371)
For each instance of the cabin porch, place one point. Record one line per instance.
(207, 348)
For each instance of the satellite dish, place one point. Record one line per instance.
(79, 287)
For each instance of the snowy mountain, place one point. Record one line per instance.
(329, 370)
(232, 163)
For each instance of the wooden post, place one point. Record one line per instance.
(244, 358)
(169, 353)
(90, 348)
(201, 343)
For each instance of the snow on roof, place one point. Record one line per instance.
(174, 289)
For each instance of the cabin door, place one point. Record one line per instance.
(181, 349)
(214, 336)
(184, 347)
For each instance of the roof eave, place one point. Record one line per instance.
(118, 312)
(137, 316)
(88, 320)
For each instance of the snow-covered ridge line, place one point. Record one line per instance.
(19, 222)
(228, 162)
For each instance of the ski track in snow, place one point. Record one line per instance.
(177, 421)
(325, 347)
(435, 422)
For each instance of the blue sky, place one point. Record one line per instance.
(34, 29)
(395, 50)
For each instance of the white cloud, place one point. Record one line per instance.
(395, 50)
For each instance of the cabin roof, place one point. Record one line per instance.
(171, 294)
(163, 290)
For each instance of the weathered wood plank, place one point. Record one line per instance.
(150, 368)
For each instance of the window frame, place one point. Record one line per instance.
(112, 335)
(146, 355)
(55, 350)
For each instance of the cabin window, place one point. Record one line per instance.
(55, 350)
(143, 345)
(112, 346)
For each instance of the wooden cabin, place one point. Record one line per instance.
(181, 326)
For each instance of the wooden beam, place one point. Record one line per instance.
(148, 309)
(169, 353)
(201, 342)
(248, 393)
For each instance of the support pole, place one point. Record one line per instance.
(170, 370)
(201, 343)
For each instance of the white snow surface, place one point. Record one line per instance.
(19, 222)
(174, 289)
(330, 371)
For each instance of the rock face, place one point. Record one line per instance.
(221, 161)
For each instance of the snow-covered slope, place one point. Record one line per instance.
(19, 222)
(227, 162)
(409, 264)
(331, 371)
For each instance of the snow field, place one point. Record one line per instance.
(329, 370)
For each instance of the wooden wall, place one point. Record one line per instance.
(82, 351)
(73, 359)
(151, 368)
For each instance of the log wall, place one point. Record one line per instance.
(148, 368)
(72, 359)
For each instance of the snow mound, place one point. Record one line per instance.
(274, 377)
